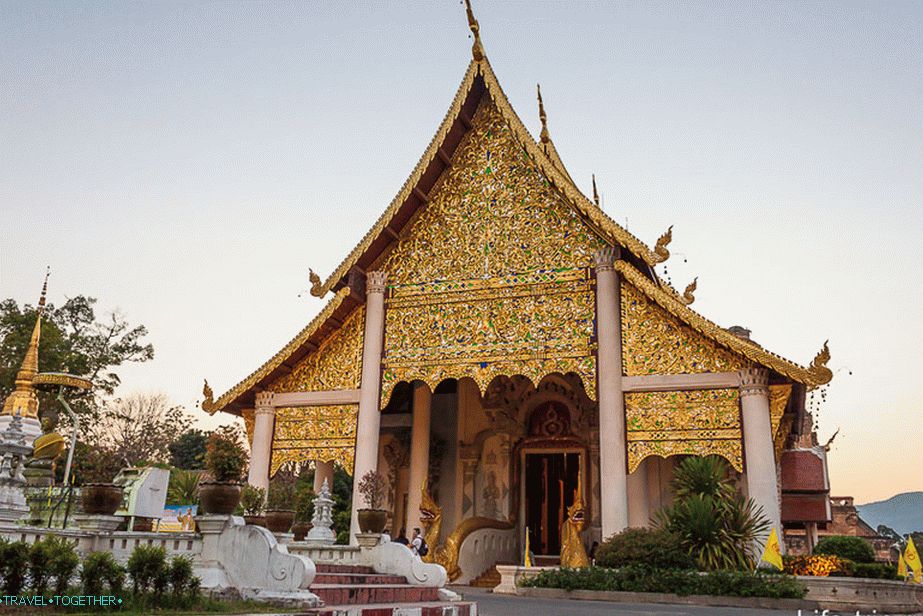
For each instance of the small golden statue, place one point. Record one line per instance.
(573, 554)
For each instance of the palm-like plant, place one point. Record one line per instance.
(183, 488)
(714, 523)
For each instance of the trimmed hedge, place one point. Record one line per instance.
(637, 578)
(658, 549)
(851, 548)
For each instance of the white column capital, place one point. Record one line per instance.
(376, 282)
(604, 259)
(264, 402)
(754, 381)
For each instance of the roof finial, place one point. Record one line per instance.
(41, 299)
(545, 137)
(477, 50)
(595, 194)
(23, 400)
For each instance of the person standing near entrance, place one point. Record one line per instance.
(418, 544)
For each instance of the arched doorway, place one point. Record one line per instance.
(552, 463)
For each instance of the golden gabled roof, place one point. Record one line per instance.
(262, 374)
(815, 374)
(543, 153)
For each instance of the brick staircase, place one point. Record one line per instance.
(349, 590)
(488, 579)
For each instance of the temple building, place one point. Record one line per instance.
(496, 340)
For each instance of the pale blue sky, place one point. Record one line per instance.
(187, 163)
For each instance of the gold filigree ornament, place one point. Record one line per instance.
(816, 374)
(667, 423)
(309, 433)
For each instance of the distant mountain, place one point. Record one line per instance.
(902, 512)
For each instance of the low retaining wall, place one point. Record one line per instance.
(847, 595)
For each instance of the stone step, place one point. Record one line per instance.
(489, 579)
(429, 608)
(361, 594)
(347, 579)
(327, 568)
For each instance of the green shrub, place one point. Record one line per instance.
(225, 458)
(643, 546)
(281, 493)
(14, 561)
(183, 581)
(852, 548)
(147, 567)
(637, 578)
(60, 562)
(39, 560)
(252, 499)
(879, 571)
(101, 574)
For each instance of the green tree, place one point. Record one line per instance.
(717, 526)
(188, 450)
(75, 340)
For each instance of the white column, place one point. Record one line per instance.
(759, 452)
(322, 470)
(419, 453)
(639, 513)
(613, 488)
(261, 451)
(369, 420)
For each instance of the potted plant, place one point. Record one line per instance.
(304, 511)
(224, 461)
(279, 505)
(374, 518)
(96, 469)
(252, 499)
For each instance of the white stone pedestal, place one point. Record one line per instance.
(98, 523)
(30, 427)
(368, 540)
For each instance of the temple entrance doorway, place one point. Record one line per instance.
(550, 481)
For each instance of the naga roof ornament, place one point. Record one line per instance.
(595, 193)
(545, 137)
(661, 253)
(317, 287)
(477, 50)
(819, 364)
(688, 294)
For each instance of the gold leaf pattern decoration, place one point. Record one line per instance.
(307, 433)
(667, 423)
(249, 416)
(778, 400)
(337, 364)
(530, 324)
(492, 277)
(656, 342)
(493, 213)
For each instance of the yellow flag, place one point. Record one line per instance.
(527, 561)
(772, 554)
(901, 567)
(912, 557)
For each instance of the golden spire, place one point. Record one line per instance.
(545, 137)
(477, 50)
(23, 400)
(595, 194)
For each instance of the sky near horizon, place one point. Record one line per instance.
(186, 163)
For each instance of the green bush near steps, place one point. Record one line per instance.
(637, 578)
(850, 548)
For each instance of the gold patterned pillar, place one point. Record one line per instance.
(369, 421)
(613, 478)
(419, 452)
(261, 450)
(759, 452)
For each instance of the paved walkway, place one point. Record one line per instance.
(503, 605)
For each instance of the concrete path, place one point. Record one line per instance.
(503, 605)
